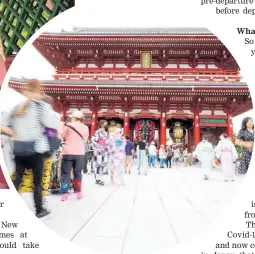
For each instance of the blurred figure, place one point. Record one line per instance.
(190, 159)
(6, 144)
(226, 152)
(185, 157)
(169, 154)
(162, 156)
(152, 154)
(204, 152)
(27, 123)
(177, 157)
(245, 139)
(75, 135)
(130, 151)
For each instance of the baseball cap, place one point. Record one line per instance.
(77, 114)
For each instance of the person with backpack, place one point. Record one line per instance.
(26, 124)
(75, 135)
(169, 154)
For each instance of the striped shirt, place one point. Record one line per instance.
(31, 126)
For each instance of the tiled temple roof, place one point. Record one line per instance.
(137, 84)
(133, 31)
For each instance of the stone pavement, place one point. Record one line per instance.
(160, 210)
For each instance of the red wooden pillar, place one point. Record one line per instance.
(126, 124)
(93, 123)
(230, 125)
(196, 129)
(163, 129)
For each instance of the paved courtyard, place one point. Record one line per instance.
(160, 210)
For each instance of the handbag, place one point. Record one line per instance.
(23, 148)
(54, 141)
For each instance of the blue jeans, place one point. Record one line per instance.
(162, 162)
(152, 159)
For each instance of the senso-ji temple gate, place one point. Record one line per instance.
(149, 80)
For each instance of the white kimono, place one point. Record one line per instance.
(226, 152)
(205, 154)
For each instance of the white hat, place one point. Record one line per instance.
(77, 114)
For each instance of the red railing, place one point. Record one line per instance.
(147, 71)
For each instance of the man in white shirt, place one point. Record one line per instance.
(152, 154)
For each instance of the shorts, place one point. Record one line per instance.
(177, 159)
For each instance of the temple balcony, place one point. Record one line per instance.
(155, 74)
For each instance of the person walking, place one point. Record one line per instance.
(143, 162)
(190, 159)
(177, 157)
(152, 154)
(75, 135)
(205, 153)
(185, 157)
(129, 151)
(86, 157)
(226, 152)
(26, 124)
(162, 156)
(245, 139)
(101, 147)
(117, 155)
(169, 154)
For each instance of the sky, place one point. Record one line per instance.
(30, 64)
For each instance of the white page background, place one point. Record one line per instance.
(148, 14)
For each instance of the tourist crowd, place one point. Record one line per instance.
(33, 133)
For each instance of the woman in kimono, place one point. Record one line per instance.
(204, 152)
(111, 139)
(117, 152)
(100, 146)
(245, 139)
(226, 152)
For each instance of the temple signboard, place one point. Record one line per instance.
(146, 59)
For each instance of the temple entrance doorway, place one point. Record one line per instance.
(179, 132)
(145, 127)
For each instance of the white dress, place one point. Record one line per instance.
(226, 152)
(205, 154)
